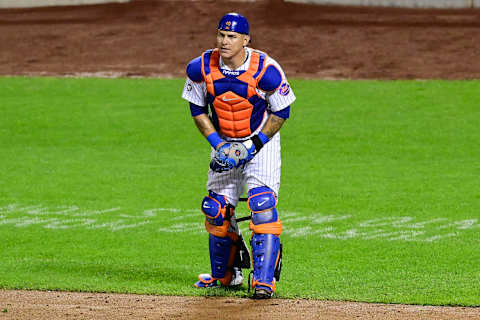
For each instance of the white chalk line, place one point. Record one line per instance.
(296, 225)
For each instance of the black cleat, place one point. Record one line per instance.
(261, 293)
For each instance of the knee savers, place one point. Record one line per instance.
(262, 202)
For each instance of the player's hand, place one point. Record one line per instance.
(250, 153)
(252, 146)
(231, 155)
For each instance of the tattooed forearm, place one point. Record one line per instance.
(273, 125)
(204, 124)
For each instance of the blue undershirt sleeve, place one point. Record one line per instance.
(284, 113)
(197, 110)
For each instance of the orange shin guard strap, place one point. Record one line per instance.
(256, 283)
(219, 231)
(267, 228)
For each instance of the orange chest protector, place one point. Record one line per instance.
(237, 109)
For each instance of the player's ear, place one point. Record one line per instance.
(246, 40)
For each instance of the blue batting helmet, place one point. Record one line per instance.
(234, 22)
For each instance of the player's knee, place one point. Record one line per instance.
(217, 214)
(214, 207)
(262, 202)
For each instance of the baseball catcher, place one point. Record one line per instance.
(239, 99)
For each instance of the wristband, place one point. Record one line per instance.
(214, 139)
(263, 137)
(259, 140)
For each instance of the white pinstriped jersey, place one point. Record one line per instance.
(264, 168)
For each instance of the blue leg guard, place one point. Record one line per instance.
(220, 251)
(222, 242)
(265, 242)
(266, 255)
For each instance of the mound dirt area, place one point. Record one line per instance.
(158, 38)
(62, 305)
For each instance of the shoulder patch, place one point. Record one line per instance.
(271, 79)
(194, 70)
(284, 89)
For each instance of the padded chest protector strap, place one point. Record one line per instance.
(247, 76)
(213, 73)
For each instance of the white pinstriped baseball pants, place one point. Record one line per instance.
(263, 170)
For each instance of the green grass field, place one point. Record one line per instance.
(102, 179)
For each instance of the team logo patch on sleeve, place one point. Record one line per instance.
(284, 89)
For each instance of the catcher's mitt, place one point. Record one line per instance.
(229, 156)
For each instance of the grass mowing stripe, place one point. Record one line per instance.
(379, 189)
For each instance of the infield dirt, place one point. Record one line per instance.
(69, 305)
(157, 38)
